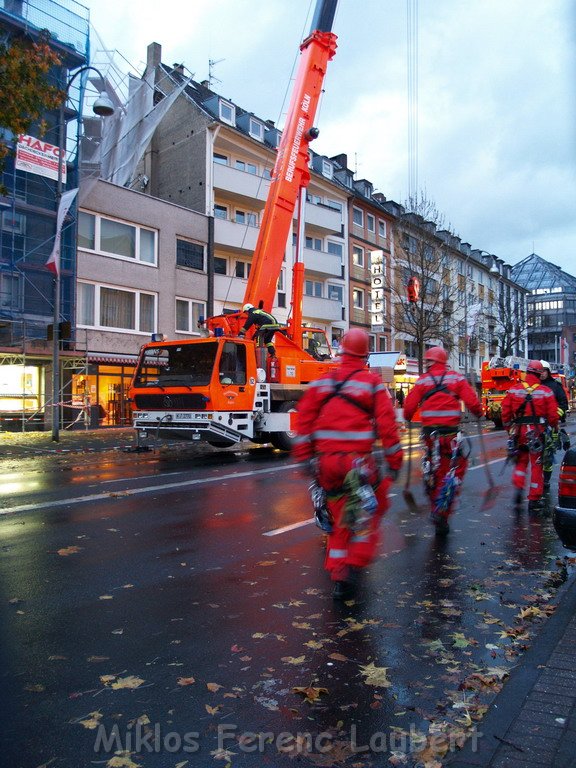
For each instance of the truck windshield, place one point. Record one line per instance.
(177, 365)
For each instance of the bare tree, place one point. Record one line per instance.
(425, 315)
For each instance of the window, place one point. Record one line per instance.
(221, 159)
(241, 165)
(335, 204)
(327, 169)
(462, 360)
(358, 298)
(101, 306)
(382, 343)
(116, 238)
(188, 314)
(189, 254)
(357, 256)
(358, 217)
(242, 269)
(381, 231)
(313, 288)
(370, 223)
(256, 129)
(314, 199)
(227, 112)
(10, 290)
(335, 293)
(428, 253)
(335, 248)
(220, 212)
(219, 265)
(247, 218)
(314, 243)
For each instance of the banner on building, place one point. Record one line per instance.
(53, 263)
(40, 157)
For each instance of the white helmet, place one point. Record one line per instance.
(546, 364)
(246, 307)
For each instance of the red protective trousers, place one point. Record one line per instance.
(536, 485)
(445, 447)
(345, 547)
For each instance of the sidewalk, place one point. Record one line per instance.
(532, 722)
(71, 441)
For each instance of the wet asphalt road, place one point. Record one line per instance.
(162, 612)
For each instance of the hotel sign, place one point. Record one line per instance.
(377, 270)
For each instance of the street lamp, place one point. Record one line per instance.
(103, 107)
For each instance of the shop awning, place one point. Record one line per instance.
(111, 358)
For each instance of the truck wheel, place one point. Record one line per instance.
(283, 440)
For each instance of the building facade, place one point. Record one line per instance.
(28, 217)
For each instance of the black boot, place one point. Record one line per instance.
(535, 505)
(518, 500)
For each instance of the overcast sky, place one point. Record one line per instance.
(496, 108)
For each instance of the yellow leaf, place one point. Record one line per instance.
(106, 597)
(301, 625)
(212, 710)
(293, 659)
(314, 644)
(310, 693)
(374, 675)
(92, 721)
(185, 681)
(267, 562)
(213, 687)
(122, 760)
(127, 682)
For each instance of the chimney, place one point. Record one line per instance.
(153, 56)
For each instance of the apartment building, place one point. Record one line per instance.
(210, 155)
(142, 269)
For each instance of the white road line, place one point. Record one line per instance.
(301, 524)
(136, 491)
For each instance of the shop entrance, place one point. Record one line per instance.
(104, 391)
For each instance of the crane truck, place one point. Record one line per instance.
(223, 388)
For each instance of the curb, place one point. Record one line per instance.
(507, 705)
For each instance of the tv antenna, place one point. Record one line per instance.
(211, 64)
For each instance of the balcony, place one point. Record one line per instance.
(229, 289)
(325, 310)
(240, 183)
(237, 237)
(323, 217)
(322, 262)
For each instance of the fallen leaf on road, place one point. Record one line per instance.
(92, 721)
(185, 681)
(310, 693)
(293, 659)
(213, 687)
(122, 760)
(374, 675)
(212, 710)
(65, 551)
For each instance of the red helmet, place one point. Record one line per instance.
(355, 342)
(436, 355)
(535, 367)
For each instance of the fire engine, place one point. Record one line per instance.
(498, 375)
(222, 388)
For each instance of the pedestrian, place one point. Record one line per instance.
(438, 393)
(553, 439)
(528, 409)
(340, 418)
(265, 322)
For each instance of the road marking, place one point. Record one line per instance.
(301, 524)
(137, 491)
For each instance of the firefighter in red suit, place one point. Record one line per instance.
(438, 393)
(527, 410)
(340, 417)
